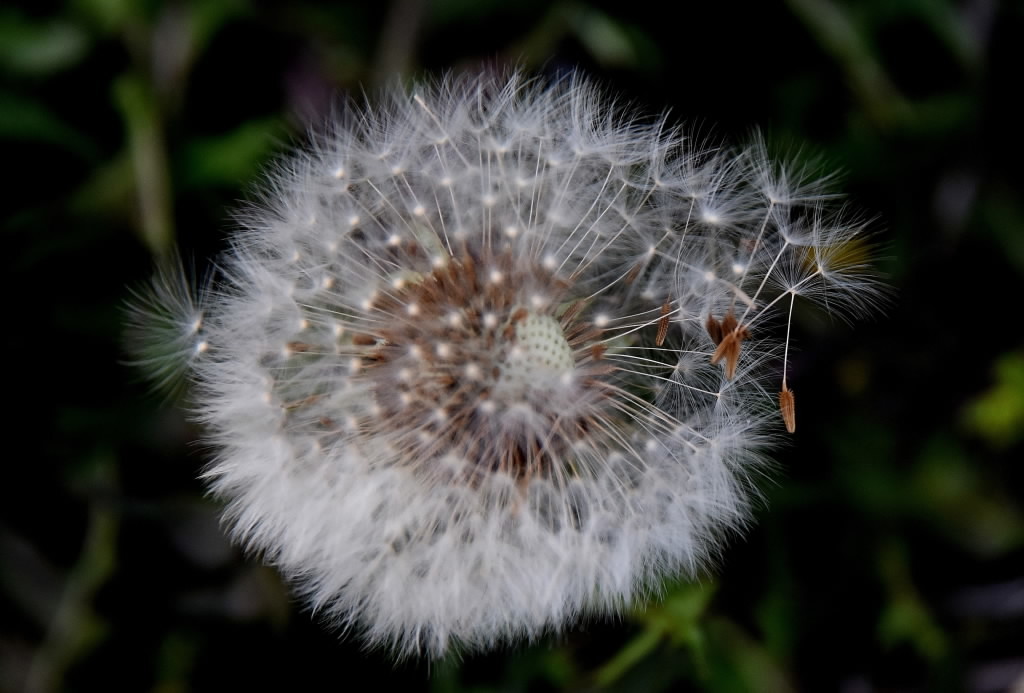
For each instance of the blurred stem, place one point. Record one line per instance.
(834, 31)
(398, 40)
(906, 618)
(138, 107)
(542, 40)
(75, 629)
(677, 620)
(628, 657)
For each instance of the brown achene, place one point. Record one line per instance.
(787, 405)
(728, 334)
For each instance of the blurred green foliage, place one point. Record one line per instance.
(889, 553)
(998, 414)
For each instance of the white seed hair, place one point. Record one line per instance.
(431, 371)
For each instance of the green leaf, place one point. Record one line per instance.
(110, 15)
(230, 159)
(28, 120)
(906, 617)
(957, 494)
(998, 414)
(34, 48)
(606, 39)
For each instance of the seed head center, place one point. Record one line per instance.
(483, 370)
(538, 359)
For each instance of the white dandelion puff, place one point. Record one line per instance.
(494, 355)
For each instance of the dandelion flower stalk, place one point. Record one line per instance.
(474, 368)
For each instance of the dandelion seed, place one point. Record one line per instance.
(787, 402)
(446, 411)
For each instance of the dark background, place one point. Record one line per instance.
(889, 555)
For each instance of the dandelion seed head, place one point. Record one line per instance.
(451, 411)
